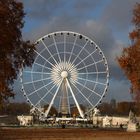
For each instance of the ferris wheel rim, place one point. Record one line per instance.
(65, 32)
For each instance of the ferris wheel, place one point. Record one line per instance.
(69, 71)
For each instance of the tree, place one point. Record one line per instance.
(129, 61)
(15, 109)
(52, 110)
(106, 109)
(75, 112)
(14, 52)
(123, 108)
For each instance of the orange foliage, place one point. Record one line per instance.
(129, 61)
(136, 17)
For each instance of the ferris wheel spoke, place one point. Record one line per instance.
(72, 49)
(86, 57)
(49, 52)
(97, 72)
(78, 107)
(40, 88)
(45, 95)
(88, 89)
(92, 64)
(83, 95)
(36, 72)
(42, 66)
(36, 81)
(80, 52)
(64, 47)
(52, 101)
(56, 47)
(92, 81)
(44, 58)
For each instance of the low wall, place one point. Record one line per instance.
(110, 121)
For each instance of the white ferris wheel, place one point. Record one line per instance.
(69, 72)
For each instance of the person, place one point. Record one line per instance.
(121, 126)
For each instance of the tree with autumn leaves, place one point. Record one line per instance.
(129, 60)
(14, 51)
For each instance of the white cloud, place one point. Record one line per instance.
(118, 13)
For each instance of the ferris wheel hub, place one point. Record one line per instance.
(64, 70)
(64, 74)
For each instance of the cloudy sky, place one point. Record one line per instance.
(107, 22)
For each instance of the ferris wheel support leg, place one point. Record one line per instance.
(52, 101)
(77, 105)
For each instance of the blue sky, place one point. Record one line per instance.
(107, 22)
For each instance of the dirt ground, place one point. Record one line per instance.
(65, 134)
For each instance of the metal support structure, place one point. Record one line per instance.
(52, 101)
(77, 105)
